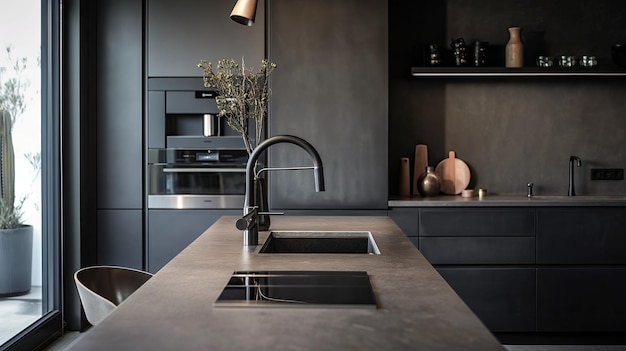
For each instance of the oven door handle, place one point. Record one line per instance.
(204, 170)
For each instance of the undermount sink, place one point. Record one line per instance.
(320, 242)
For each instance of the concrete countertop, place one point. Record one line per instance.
(509, 200)
(174, 310)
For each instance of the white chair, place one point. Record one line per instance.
(103, 288)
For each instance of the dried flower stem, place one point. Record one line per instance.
(242, 94)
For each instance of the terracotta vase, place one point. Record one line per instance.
(404, 186)
(514, 50)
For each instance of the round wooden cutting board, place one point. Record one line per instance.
(454, 174)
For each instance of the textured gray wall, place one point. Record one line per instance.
(329, 88)
(515, 130)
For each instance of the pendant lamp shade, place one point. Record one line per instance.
(244, 12)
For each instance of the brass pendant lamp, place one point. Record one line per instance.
(244, 12)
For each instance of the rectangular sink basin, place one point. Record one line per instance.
(298, 289)
(320, 242)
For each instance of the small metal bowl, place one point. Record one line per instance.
(545, 61)
(568, 61)
(588, 61)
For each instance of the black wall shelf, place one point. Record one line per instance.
(460, 72)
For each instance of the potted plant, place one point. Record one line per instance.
(242, 96)
(16, 238)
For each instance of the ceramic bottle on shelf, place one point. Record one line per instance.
(514, 50)
(404, 188)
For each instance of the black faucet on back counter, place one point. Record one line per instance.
(570, 190)
(249, 222)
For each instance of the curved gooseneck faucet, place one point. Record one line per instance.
(572, 159)
(248, 223)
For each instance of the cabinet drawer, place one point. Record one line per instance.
(406, 219)
(119, 238)
(477, 222)
(588, 299)
(186, 102)
(170, 231)
(480, 250)
(581, 236)
(503, 298)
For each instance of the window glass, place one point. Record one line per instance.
(20, 98)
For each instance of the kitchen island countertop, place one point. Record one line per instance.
(174, 310)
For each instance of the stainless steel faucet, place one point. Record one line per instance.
(570, 190)
(249, 222)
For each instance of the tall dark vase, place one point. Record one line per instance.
(16, 257)
(260, 198)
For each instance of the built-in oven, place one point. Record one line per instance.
(196, 178)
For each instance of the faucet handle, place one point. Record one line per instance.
(530, 189)
(248, 221)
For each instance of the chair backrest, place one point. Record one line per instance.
(103, 288)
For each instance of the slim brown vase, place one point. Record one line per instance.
(514, 50)
(404, 186)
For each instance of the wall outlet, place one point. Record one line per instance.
(607, 174)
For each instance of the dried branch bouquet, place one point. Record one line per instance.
(242, 94)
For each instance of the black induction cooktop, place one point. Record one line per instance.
(302, 289)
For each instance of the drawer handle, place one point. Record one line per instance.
(205, 94)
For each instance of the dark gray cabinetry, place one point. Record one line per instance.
(529, 269)
(491, 222)
(120, 238)
(581, 299)
(407, 219)
(156, 120)
(119, 132)
(170, 231)
(502, 297)
(120, 110)
(581, 280)
(487, 255)
(477, 236)
(330, 88)
(581, 236)
(481, 252)
(181, 33)
(178, 35)
(478, 250)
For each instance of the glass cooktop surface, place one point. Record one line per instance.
(302, 289)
